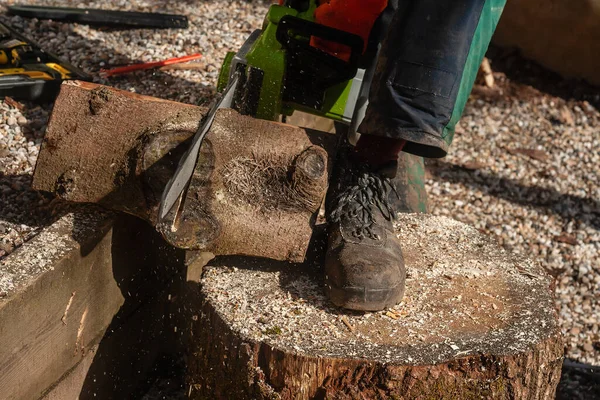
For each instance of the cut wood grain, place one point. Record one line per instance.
(113, 147)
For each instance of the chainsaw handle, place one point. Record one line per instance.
(298, 5)
(289, 27)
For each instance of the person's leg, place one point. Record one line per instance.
(426, 69)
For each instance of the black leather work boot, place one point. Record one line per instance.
(364, 267)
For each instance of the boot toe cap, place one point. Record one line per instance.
(365, 278)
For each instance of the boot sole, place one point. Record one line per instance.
(363, 299)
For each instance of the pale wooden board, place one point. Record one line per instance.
(69, 387)
(36, 346)
(113, 267)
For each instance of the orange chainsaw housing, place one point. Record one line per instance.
(353, 16)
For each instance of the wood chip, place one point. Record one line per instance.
(473, 165)
(348, 324)
(13, 103)
(539, 155)
(575, 331)
(566, 116)
(488, 75)
(392, 315)
(565, 238)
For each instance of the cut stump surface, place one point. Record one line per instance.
(476, 322)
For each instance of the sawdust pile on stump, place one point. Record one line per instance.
(474, 317)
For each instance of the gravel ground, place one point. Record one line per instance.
(525, 168)
(525, 165)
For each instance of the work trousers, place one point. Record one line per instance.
(426, 68)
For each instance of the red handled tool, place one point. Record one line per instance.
(150, 65)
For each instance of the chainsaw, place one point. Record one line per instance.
(27, 72)
(279, 70)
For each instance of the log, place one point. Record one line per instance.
(476, 322)
(256, 190)
(108, 146)
(256, 181)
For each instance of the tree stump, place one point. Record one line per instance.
(476, 322)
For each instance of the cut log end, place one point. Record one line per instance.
(476, 321)
(261, 181)
(113, 147)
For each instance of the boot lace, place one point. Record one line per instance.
(360, 200)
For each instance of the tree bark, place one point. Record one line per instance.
(477, 322)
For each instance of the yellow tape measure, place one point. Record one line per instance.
(51, 72)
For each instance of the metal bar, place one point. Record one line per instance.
(102, 17)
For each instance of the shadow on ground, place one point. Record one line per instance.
(526, 72)
(568, 206)
(579, 382)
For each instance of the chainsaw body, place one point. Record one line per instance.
(28, 72)
(282, 72)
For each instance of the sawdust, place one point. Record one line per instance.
(266, 180)
(465, 295)
(40, 254)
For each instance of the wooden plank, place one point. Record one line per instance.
(69, 387)
(95, 271)
(53, 317)
(120, 366)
